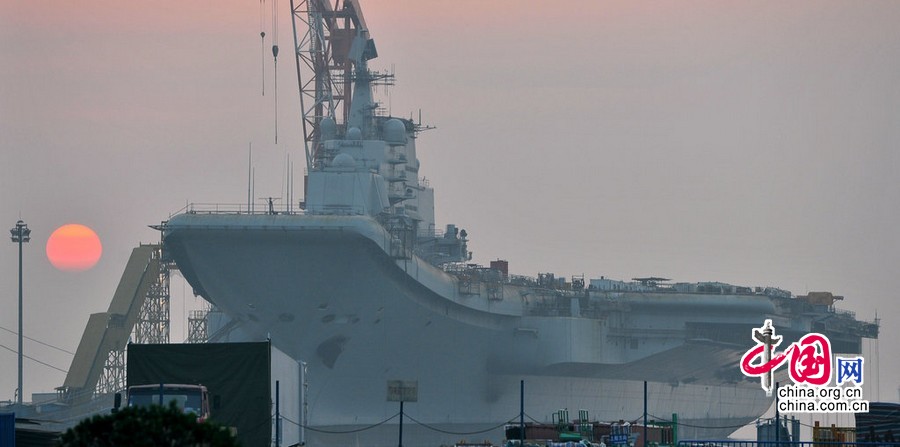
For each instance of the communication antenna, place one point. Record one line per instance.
(250, 179)
(290, 185)
(289, 188)
(389, 94)
(284, 174)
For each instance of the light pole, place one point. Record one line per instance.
(20, 234)
(304, 392)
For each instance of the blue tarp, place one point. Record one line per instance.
(7, 429)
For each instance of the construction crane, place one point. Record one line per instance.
(323, 42)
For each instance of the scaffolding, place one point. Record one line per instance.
(153, 321)
(198, 326)
(139, 312)
(152, 326)
(112, 378)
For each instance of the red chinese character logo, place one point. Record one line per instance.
(810, 358)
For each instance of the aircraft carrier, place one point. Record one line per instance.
(359, 282)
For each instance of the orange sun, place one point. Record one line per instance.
(74, 247)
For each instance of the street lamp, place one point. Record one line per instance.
(20, 234)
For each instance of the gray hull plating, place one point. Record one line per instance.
(326, 291)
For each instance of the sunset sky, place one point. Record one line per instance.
(754, 143)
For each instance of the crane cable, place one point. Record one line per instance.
(275, 55)
(262, 42)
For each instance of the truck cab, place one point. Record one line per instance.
(189, 398)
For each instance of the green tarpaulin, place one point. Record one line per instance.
(237, 376)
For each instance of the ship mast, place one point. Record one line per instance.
(322, 45)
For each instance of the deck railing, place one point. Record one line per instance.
(266, 208)
(237, 208)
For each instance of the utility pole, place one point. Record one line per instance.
(645, 442)
(522, 413)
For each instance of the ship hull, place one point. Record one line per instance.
(327, 293)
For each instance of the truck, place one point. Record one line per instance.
(253, 388)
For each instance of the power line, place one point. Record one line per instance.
(34, 359)
(38, 341)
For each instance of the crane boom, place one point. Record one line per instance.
(323, 37)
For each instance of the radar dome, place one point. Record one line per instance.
(354, 133)
(394, 132)
(328, 128)
(343, 160)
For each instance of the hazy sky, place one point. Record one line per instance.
(754, 143)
